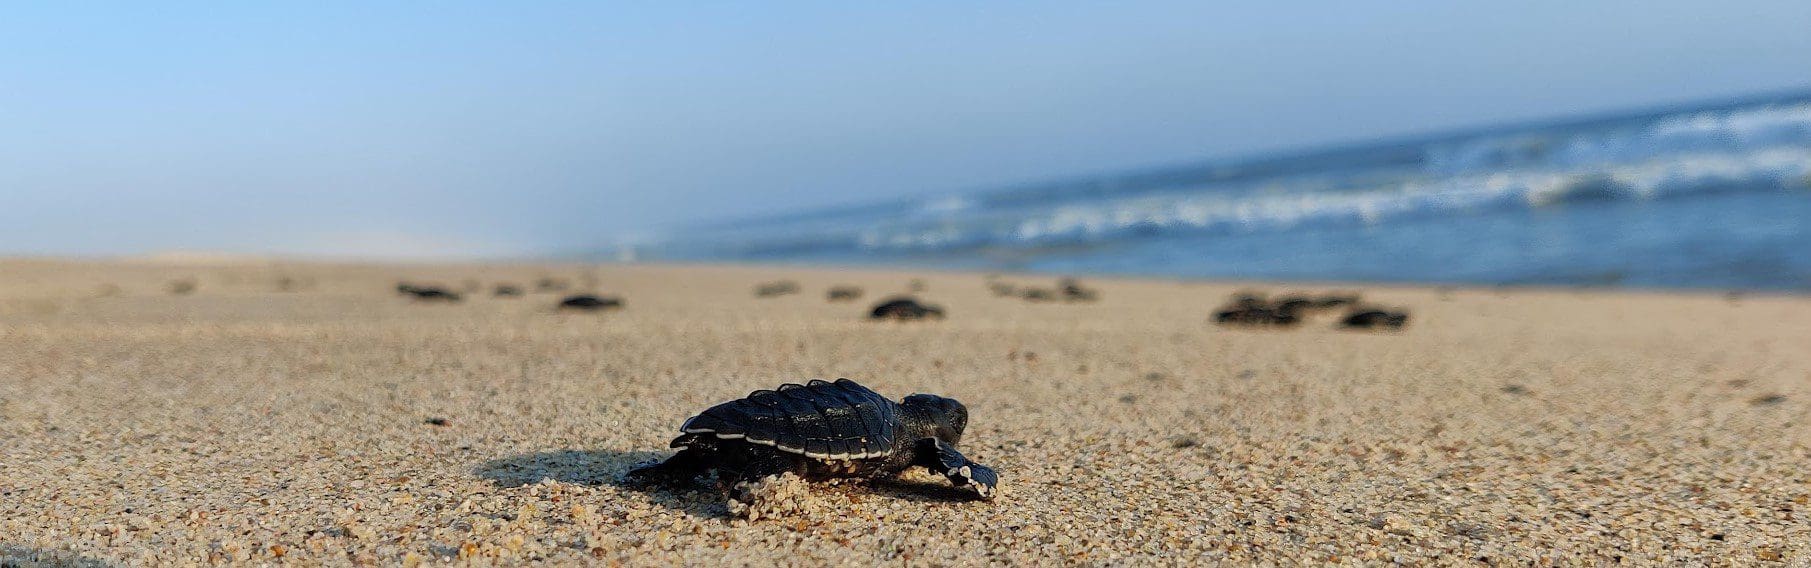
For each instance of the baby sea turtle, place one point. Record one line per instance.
(428, 293)
(1337, 299)
(549, 284)
(506, 291)
(1247, 309)
(776, 288)
(1294, 304)
(183, 287)
(1248, 297)
(823, 430)
(842, 293)
(1074, 291)
(589, 303)
(1037, 294)
(1257, 316)
(904, 308)
(1373, 318)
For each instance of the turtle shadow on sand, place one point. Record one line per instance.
(18, 556)
(606, 467)
(915, 491)
(582, 467)
(599, 467)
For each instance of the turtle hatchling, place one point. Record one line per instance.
(1374, 318)
(823, 430)
(588, 303)
(904, 308)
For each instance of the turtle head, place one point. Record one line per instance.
(942, 418)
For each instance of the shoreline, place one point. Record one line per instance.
(256, 262)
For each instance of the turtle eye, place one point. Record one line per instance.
(956, 415)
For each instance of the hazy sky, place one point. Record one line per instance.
(450, 128)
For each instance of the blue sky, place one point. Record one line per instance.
(446, 129)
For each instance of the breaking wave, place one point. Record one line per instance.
(1755, 146)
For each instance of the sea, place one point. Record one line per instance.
(1703, 196)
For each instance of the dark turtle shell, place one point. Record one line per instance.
(824, 420)
(432, 293)
(1375, 318)
(904, 308)
(590, 302)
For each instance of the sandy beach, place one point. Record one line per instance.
(305, 413)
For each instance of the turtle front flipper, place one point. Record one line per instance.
(943, 459)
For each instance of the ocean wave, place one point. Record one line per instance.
(1098, 222)
(1753, 147)
(1724, 131)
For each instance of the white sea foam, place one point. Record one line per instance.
(1184, 212)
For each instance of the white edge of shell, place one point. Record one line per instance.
(783, 448)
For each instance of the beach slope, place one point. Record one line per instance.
(306, 413)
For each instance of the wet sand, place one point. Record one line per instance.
(326, 420)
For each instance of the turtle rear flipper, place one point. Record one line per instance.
(943, 459)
